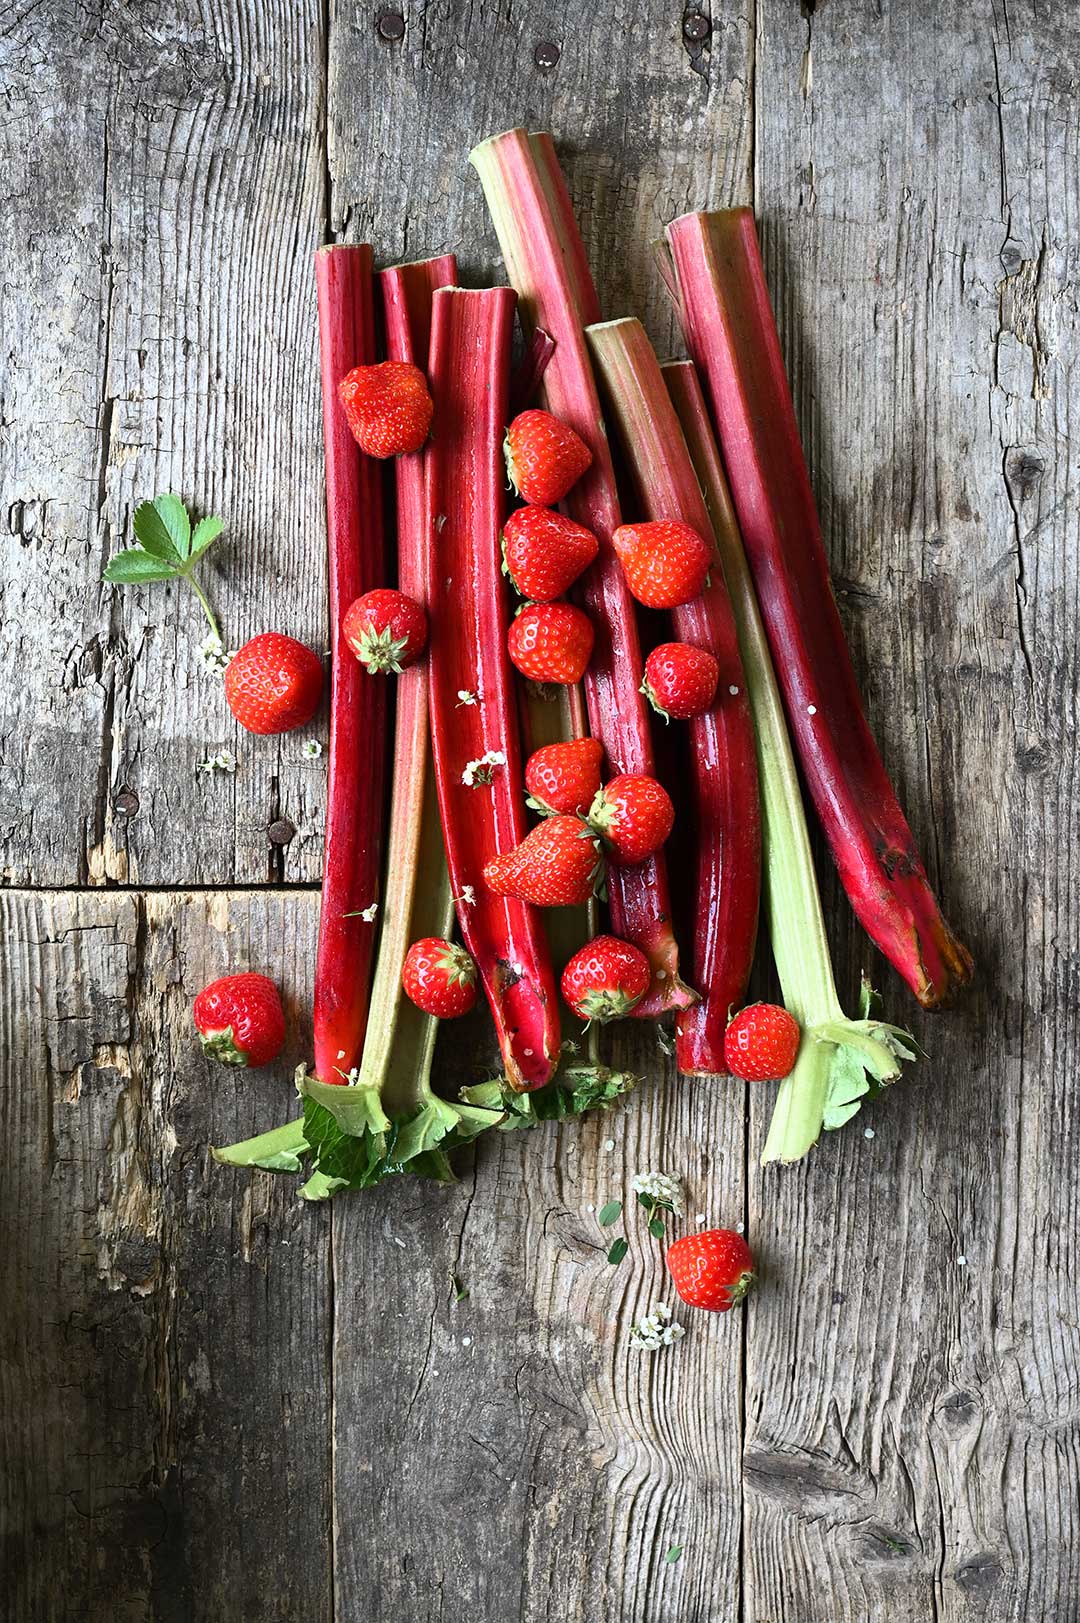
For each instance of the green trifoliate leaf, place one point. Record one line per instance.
(609, 1213)
(164, 528)
(135, 565)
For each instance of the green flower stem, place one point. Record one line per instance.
(207, 610)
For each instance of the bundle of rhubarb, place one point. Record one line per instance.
(524, 791)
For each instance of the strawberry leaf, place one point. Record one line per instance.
(136, 564)
(206, 533)
(164, 528)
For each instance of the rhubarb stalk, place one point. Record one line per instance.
(731, 334)
(473, 718)
(839, 1060)
(545, 261)
(354, 803)
(723, 759)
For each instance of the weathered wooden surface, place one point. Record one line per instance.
(215, 1404)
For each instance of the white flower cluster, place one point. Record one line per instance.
(483, 770)
(664, 1187)
(223, 761)
(655, 1330)
(213, 654)
(311, 749)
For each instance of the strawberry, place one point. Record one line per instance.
(544, 457)
(439, 977)
(605, 978)
(761, 1043)
(551, 642)
(680, 680)
(713, 1270)
(388, 407)
(240, 1021)
(564, 777)
(556, 865)
(665, 561)
(385, 630)
(634, 815)
(273, 684)
(545, 552)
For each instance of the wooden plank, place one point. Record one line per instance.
(911, 1428)
(164, 1353)
(165, 187)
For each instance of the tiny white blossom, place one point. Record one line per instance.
(368, 913)
(468, 896)
(465, 697)
(311, 750)
(351, 1078)
(482, 770)
(664, 1187)
(222, 761)
(655, 1330)
(213, 655)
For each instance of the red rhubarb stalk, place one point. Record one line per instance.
(731, 333)
(354, 805)
(474, 731)
(723, 759)
(545, 262)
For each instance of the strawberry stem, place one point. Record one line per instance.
(189, 576)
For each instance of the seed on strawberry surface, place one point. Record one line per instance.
(665, 561)
(564, 777)
(439, 977)
(388, 407)
(551, 642)
(712, 1270)
(386, 630)
(634, 816)
(273, 684)
(605, 979)
(680, 680)
(761, 1043)
(240, 1020)
(545, 552)
(544, 457)
(556, 865)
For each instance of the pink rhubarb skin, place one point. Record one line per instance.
(357, 765)
(466, 480)
(545, 262)
(722, 748)
(731, 334)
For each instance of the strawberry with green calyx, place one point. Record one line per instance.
(761, 1043)
(544, 457)
(551, 642)
(388, 407)
(633, 815)
(544, 552)
(564, 777)
(240, 1021)
(605, 979)
(556, 865)
(386, 630)
(440, 978)
(713, 1270)
(666, 563)
(168, 550)
(680, 680)
(273, 684)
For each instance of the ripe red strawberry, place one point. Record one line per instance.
(388, 407)
(680, 680)
(605, 978)
(556, 865)
(385, 630)
(439, 977)
(544, 457)
(273, 684)
(240, 1020)
(665, 561)
(564, 777)
(634, 815)
(761, 1043)
(545, 552)
(551, 642)
(713, 1270)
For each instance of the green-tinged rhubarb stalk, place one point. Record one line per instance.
(840, 1060)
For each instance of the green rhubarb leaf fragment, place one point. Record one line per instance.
(572, 1093)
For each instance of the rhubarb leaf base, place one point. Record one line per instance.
(840, 1063)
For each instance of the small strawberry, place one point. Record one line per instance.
(388, 407)
(634, 815)
(761, 1043)
(545, 552)
(665, 562)
(605, 979)
(273, 684)
(680, 680)
(564, 777)
(556, 865)
(713, 1269)
(551, 642)
(440, 978)
(385, 630)
(240, 1021)
(544, 457)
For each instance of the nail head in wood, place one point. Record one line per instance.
(546, 55)
(281, 831)
(696, 28)
(391, 25)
